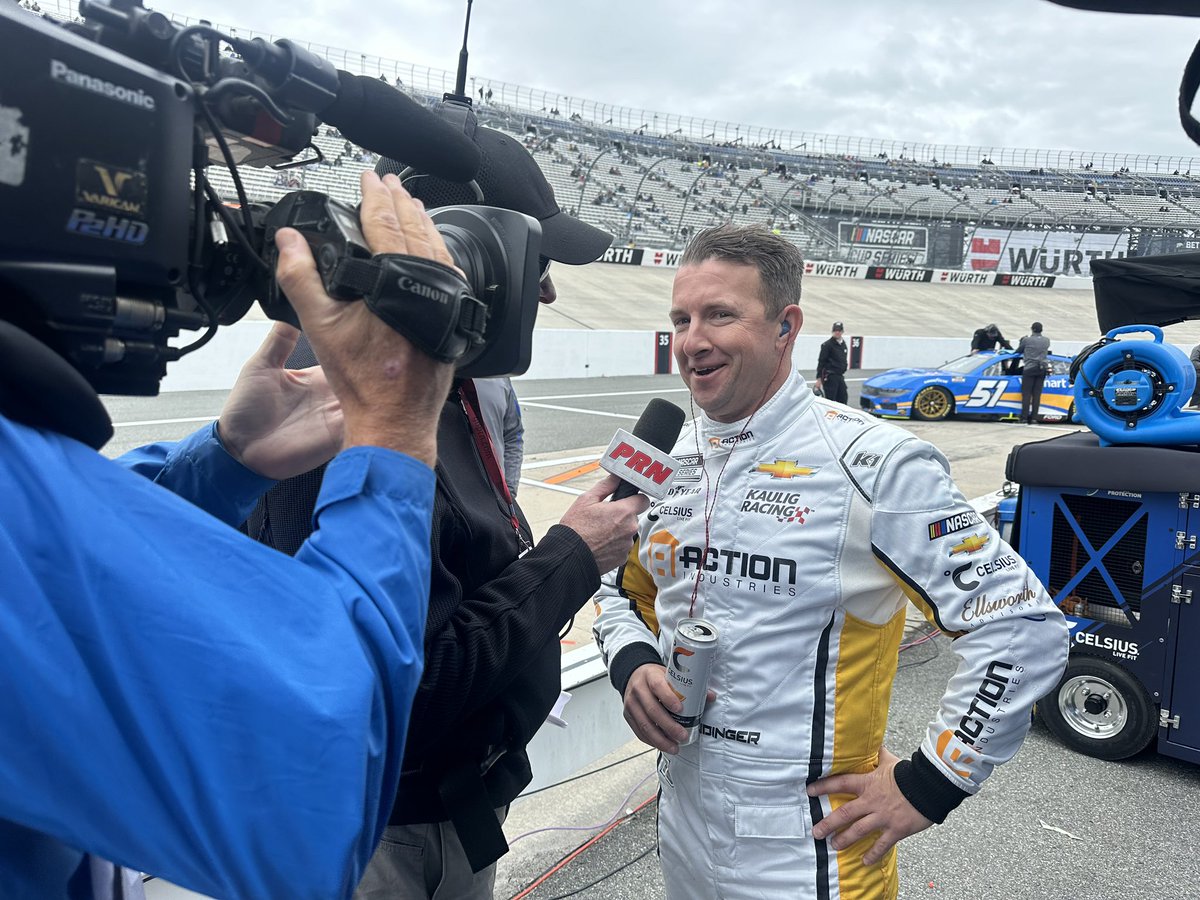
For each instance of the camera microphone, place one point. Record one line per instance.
(642, 460)
(367, 111)
(387, 121)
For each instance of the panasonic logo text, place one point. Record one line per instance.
(64, 74)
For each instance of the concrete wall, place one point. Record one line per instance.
(580, 353)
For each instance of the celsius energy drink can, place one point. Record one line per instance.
(688, 669)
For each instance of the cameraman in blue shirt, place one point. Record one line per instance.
(178, 698)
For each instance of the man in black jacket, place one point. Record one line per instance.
(497, 602)
(831, 367)
(986, 338)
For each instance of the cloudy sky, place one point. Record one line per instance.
(1013, 73)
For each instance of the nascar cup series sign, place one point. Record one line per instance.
(896, 245)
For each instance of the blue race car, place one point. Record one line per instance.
(986, 384)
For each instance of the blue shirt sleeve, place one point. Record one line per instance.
(185, 701)
(200, 470)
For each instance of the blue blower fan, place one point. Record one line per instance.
(1133, 392)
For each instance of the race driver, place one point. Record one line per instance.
(800, 530)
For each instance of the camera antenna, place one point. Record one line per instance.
(456, 109)
(460, 84)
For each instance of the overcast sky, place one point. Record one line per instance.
(1013, 73)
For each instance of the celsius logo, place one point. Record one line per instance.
(678, 652)
(964, 582)
(63, 73)
(1123, 649)
(960, 580)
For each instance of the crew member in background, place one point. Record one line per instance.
(1036, 366)
(832, 363)
(1194, 356)
(800, 531)
(986, 338)
(502, 416)
(497, 603)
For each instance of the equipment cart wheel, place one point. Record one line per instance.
(1099, 709)
(932, 404)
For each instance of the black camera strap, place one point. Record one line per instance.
(427, 302)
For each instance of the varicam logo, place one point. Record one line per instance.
(677, 663)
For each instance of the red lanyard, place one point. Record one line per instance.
(487, 454)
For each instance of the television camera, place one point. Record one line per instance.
(113, 239)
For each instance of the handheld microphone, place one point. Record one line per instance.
(642, 459)
(389, 122)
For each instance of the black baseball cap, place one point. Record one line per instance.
(511, 179)
(837, 326)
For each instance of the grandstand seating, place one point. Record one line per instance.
(659, 189)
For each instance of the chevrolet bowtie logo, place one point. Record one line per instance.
(972, 544)
(786, 468)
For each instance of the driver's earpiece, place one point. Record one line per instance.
(785, 327)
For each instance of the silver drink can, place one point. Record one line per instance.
(688, 669)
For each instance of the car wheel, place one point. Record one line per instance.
(932, 404)
(1099, 709)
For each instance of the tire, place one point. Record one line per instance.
(1099, 709)
(932, 404)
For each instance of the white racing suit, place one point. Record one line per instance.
(821, 523)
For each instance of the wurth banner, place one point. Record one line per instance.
(834, 270)
(623, 256)
(1042, 252)
(660, 259)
